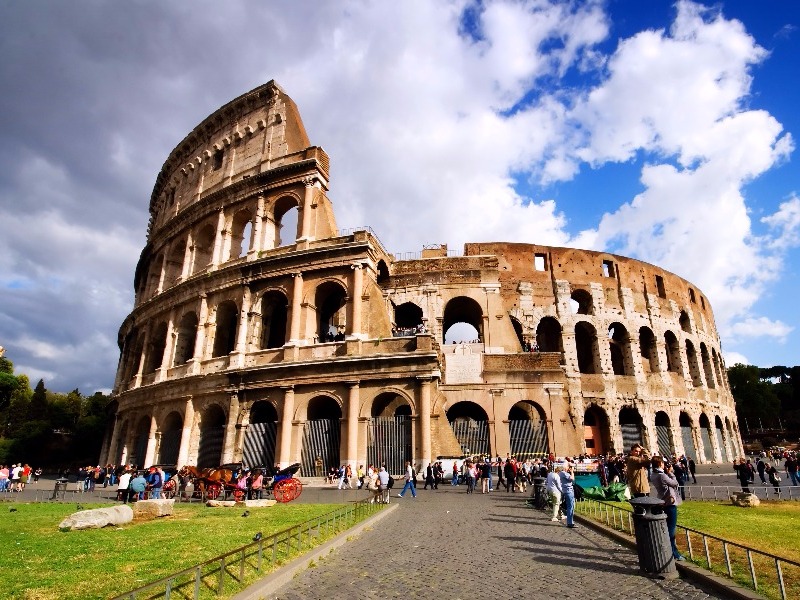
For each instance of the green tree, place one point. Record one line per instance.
(756, 401)
(37, 410)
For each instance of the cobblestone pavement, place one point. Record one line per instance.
(448, 544)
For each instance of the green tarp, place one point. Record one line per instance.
(614, 492)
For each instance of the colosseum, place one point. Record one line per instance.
(262, 332)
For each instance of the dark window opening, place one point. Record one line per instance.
(218, 159)
(608, 268)
(662, 292)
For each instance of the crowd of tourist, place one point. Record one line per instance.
(17, 476)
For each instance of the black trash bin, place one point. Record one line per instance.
(539, 493)
(652, 537)
(60, 489)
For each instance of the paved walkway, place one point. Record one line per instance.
(448, 544)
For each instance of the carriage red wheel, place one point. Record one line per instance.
(213, 490)
(238, 495)
(287, 490)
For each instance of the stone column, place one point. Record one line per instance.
(162, 275)
(110, 451)
(258, 227)
(308, 200)
(186, 433)
(240, 349)
(297, 300)
(229, 443)
(142, 358)
(351, 457)
(219, 240)
(151, 443)
(425, 419)
(285, 450)
(356, 293)
(169, 347)
(188, 257)
(200, 339)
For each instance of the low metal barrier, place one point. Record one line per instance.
(723, 492)
(208, 579)
(763, 572)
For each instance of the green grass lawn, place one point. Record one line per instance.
(39, 562)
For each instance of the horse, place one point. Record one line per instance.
(213, 480)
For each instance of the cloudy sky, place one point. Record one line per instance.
(662, 131)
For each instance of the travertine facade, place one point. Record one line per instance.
(251, 342)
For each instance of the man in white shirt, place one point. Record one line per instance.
(553, 487)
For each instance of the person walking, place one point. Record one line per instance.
(454, 481)
(692, 468)
(636, 471)
(774, 478)
(409, 485)
(568, 493)
(553, 486)
(743, 474)
(791, 468)
(761, 467)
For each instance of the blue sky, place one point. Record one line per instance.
(663, 131)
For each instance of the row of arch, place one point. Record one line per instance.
(229, 238)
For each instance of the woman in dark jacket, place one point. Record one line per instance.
(774, 478)
(742, 474)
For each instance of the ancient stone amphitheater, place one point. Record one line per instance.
(264, 333)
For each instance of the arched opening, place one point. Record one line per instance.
(664, 434)
(707, 368)
(596, 431)
(383, 272)
(389, 432)
(630, 423)
(259, 441)
(140, 442)
(527, 430)
(548, 335)
(464, 317)
(586, 346)
(619, 343)
(170, 444)
(407, 318)
(648, 350)
(154, 276)
(689, 448)
(724, 449)
(186, 338)
(694, 368)
(717, 369)
(581, 302)
(212, 435)
(158, 345)
(286, 221)
(274, 316)
(734, 442)
(115, 454)
(175, 259)
(136, 358)
(685, 322)
(523, 345)
(321, 434)
(331, 300)
(203, 248)
(471, 427)
(705, 435)
(673, 353)
(226, 326)
(241, 234)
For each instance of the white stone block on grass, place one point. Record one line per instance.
(152, 509)
(97, 518)
(221, 503)
(259, 503)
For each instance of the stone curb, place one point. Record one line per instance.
(270, 583)
(685, 568)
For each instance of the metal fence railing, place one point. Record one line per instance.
(212, 577)
(766, 573)
(723, 492)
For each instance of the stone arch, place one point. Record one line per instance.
(619, 344)
(154, 276)
(719, 430)
(174, 266)
(186, 336)
(548, 335)
(212, 436)
(203, 250)
(596, 431)
(241, 233)
(707, 368)
(321, 433)
(734, 442)
(140, 439)
(666, 446)
(330, 299)
(171, 431)
(581, 302)
(519, 332)
(705, 435)
(648, 350)
(274, 319)
(261, 435)
(158, 345)
(527, 430)
(227, 324)
(694, 367)
(685, 322)
(687, 436)
(463, 313)
(631, 426)
(132, 351)
(470, 425)
(587, 348)
(390, 433)
(286, 213)
(673, 353)
(383, 272)
(717, 370)
(407, 318)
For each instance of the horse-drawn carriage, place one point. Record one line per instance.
(225, 481)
